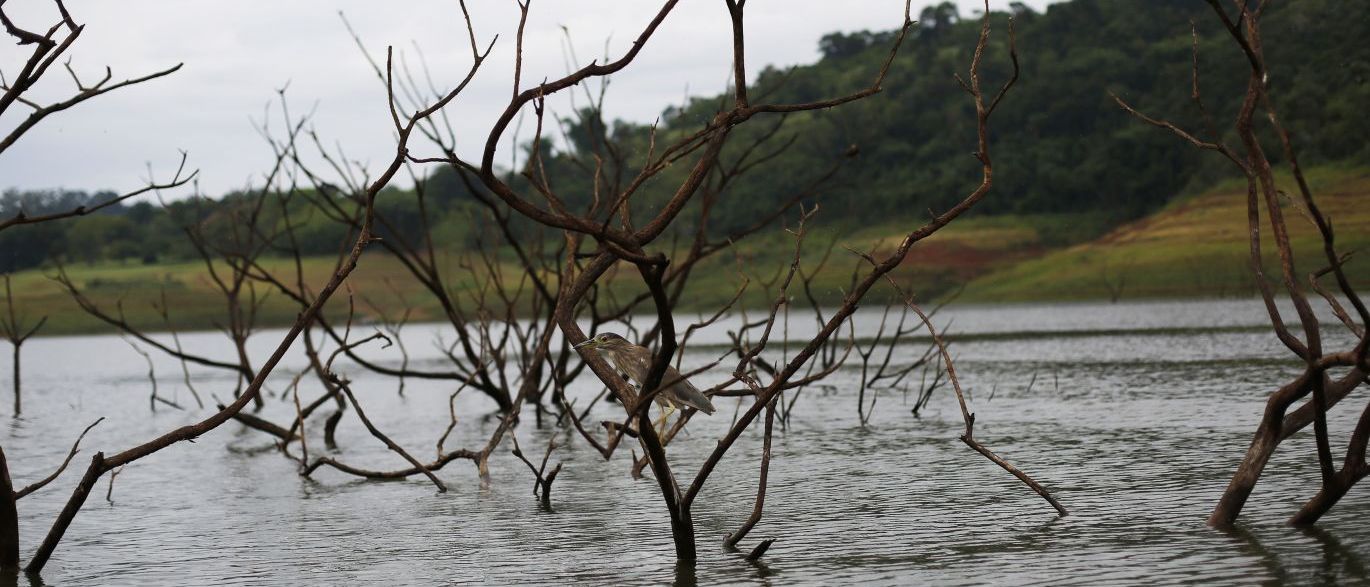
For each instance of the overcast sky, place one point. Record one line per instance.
(237, 53)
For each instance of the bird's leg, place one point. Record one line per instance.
(666, 412)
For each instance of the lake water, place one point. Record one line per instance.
(1137, 417)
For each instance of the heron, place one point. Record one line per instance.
(636, 361)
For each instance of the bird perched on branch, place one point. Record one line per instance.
(635, 361)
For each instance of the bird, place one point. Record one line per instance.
(635, 361)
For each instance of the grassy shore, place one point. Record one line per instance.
(381, 286)
(1197, 246)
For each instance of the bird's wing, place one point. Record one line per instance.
(687, 393)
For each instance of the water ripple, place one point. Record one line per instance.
(1136, 434)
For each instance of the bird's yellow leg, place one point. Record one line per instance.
(666, 412)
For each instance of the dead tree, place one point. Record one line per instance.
(403, 127)
(1114, 281)
(13, 328)
(240, 238)
(968, 417)
(47, 48)
(1328, 375)
(9, 515)
(618, 237)
(512, 327)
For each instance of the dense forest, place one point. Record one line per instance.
(1063, 145)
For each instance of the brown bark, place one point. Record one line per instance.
(18, 405)
(1336, 486)
(45, 50)
(330, 429)
(64, 519)
(542, 486)
(100, 465)
(75, 446)
(480, 357)
(13, 329)
(1332, 491)
(1277, 422)
(437, 464)
(731, 540)
(9, 519)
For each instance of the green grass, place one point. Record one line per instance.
(382, 285)
(1196, 246)
(968, 248)
(195, 302)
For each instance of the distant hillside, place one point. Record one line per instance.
(1059, 143)
(1197, 246)
(1060, 146)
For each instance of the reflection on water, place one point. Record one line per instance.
(1133, 414)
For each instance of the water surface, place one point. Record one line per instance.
(1133, 414)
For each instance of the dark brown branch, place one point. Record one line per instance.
(437, 464)
(176, 181)
(347, 390)
(263, 425)
(99, 465)
(864, 285)
(1277, 423)
(731, 540)
(85, 94)
(542, 488)
(72, 453)
(969, 418)
(9, 519)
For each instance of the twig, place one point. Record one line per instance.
(74, 449)
(967, 416)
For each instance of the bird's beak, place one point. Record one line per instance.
(589, 343)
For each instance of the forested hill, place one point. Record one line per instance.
(1060, 144)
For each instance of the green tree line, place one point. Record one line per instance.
(1062, 145)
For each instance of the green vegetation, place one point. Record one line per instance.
(1196, 246)
(1061, 144)
(382, 282)
(1083, 204)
